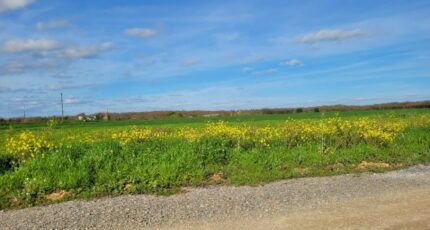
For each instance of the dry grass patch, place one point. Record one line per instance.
(128, 187)
(370, 165)
(216, 177)
(302, 171)
(58, 195)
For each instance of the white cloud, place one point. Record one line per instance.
(141, 32)
(329, 35)
(247, 69)
(53, 24)
(87, 52)
(72, 100)
(20, 45)
(292, 62)
(266, 71)
(6, 5)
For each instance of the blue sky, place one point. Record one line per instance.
(212, 55)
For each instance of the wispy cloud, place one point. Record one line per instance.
(7, 5)
(17, 66)
(12, 67)
(88, 52)
(331, 35)
(10, 90)
(247, 69)
(265, 71)
(141, 32)
(43, 55)
(62, 76)
(21, 45)
(65, 85)
(291, 62)
(73, 100)
(53, 24)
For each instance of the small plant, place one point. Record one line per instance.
(52, 123)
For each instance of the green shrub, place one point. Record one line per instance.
(6, 162)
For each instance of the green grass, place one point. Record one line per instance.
(199, 121)
(163, 167)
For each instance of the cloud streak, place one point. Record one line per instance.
(17, 66)
(331, 35)
(89, 51)
(9, 5)
(265, 71)
(141, 32)
(247, 69)
(71, 100)
(65, 86)
(22, 45)
(291, 62)
(53, 24)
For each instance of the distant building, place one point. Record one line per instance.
(84, 118)
(81, 116)
(91, 118)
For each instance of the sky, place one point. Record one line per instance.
(126, 56)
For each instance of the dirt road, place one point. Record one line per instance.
(394, 200)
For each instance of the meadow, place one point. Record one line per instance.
(46, 162)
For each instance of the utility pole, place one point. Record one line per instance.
(62, 108)
(24, 112)
(106, 116)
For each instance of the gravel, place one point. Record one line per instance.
(216, 204)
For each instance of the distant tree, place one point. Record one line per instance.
(299, 110)
(171, 113)
(316, 110)
(266, 111)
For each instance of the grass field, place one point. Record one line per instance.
(49, 162)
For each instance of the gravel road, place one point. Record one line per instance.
(393, 200)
